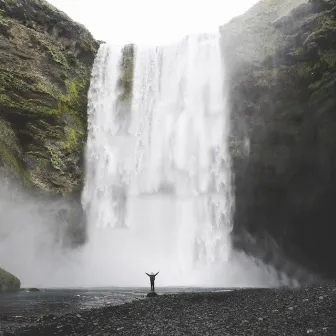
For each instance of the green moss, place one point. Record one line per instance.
(71, 139)
(72, 92)
(58, 57)
(42, 131)
(29, 105)
(72, 100)
(10, 153)
(55, 157)
(13, 162)
(8, 282)
(68, 139)
(9, 82)
(9, 158)
(77, 122)
(126, 79)
(14, 93)
(304, 70)
(323, 31)
(8, 137)
(13, 90)
(46, 88)
(330, 59)
(38, 155)
(328, 22)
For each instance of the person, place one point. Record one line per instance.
(152, 279)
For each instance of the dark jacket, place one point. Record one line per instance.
(152, 276)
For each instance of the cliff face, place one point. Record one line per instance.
(282, 61)
(45, 66)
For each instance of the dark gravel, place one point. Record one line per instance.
(288, 312)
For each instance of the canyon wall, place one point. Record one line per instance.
(45, 67)
(281, 57)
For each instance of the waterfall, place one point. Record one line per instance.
(157, 192)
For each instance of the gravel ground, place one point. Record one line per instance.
(241, 312)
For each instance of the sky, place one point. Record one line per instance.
(150, 21)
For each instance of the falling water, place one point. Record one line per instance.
(157, 191)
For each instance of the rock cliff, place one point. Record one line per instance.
(45, 66)
(282, 79)
(8, 282)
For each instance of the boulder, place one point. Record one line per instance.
(29, 290)
(8, 282)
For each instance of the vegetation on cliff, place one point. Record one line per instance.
(283, 85)
(8, 282)
(127, 71)
(45, 66)
(125, 87)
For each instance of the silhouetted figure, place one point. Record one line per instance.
(152, 279)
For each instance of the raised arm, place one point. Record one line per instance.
(147, 273)
(157, 273)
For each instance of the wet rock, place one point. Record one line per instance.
(8, 282)
(30, 290)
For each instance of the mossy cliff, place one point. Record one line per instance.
(8, 282)
(125, 82)
(281, 57)
(45, 66)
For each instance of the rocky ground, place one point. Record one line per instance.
(241, 312)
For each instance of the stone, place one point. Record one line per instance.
(30, 289)
(152, 294)
(8, 282)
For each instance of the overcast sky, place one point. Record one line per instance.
(150, 21)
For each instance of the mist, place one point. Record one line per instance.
(34, 237)
(34, 246)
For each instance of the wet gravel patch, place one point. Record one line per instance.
(289, 312)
